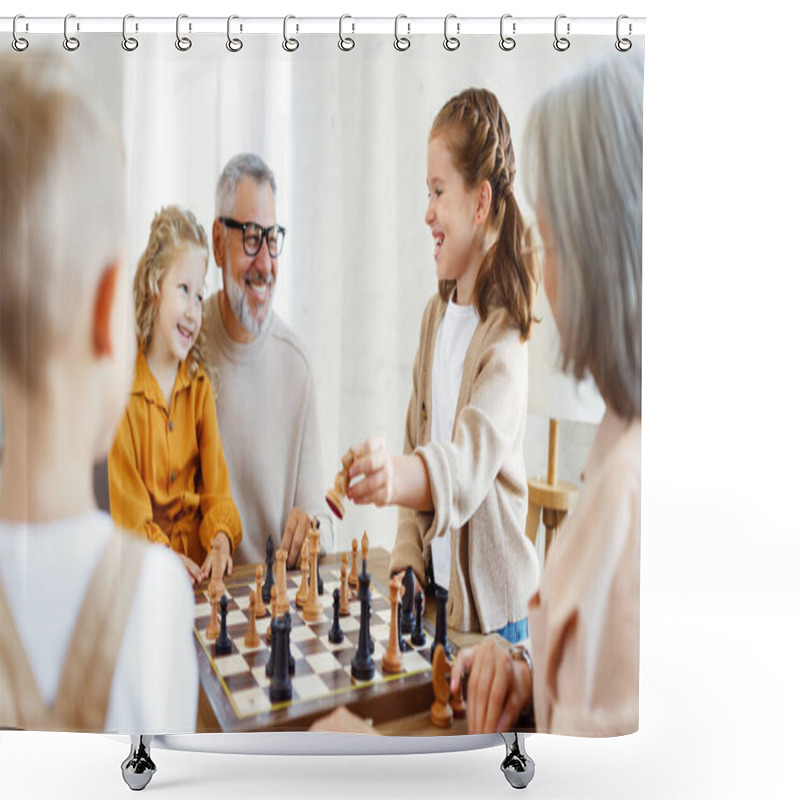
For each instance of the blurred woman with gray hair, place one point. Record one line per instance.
(584, 145)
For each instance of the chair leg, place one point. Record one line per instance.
(517, 766)
(138, 768)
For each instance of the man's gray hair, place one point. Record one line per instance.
(584, 139)
(244, 165)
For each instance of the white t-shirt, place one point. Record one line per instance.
(452, 341)
(46, 569)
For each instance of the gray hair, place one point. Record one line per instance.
(584, 139)
(244, 165)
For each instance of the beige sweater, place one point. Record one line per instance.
(478, 480)
(585, 619)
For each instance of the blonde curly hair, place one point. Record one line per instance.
(173, 229)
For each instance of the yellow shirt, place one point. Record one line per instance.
(167, 475)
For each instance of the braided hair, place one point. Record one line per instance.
(478, 136)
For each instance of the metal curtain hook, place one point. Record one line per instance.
(289, 44)
(623, 45)
(233, 44)
(19, 43)
(401, 42)
(129, 43)
(71, 43)
(561, 43)
(451, 42)
(346, 42)
(183, 43)
(507, 42)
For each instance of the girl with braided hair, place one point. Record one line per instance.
(461, 482)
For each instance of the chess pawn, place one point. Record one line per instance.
(261, 607)
(212, 631)
(283, 599)
(441, 712)
(353, 579)
(335, 634)
(407, 618)
(222, 647)
(302, 592)
(344, 591)
(251, 638)
(266, 589)
(335, 497)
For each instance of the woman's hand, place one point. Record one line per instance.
(498, 688)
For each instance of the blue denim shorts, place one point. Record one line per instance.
(515, 632)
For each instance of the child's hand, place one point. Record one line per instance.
(226, 556)
(195, 573)
(498, 689)
(374, 463)
(297, 525)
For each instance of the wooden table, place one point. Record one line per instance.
(404, 710)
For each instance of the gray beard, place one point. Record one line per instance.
(237, 297)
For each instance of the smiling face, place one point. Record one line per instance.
(180, 307)
(452, 216)
(248, 281)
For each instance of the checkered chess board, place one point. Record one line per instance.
(322, 669)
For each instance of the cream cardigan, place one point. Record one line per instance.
(478, 479)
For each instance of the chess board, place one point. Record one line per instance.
(236, 687)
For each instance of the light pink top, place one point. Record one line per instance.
(584, 620)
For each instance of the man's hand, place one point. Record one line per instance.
(498, 688)
(293, 535)
(227, 561)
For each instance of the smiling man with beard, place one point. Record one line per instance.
(266, 402)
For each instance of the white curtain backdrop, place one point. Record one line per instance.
(346, 135)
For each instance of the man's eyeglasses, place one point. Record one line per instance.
(253, 236)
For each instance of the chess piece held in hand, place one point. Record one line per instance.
(335, 496)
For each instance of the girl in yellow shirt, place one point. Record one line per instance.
(167, 474)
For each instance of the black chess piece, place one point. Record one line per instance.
(266, 589)
(222, 646)
(280, 687)
(362, 667)
(335, 634)
(288, 617)
(407, 617)
(320, 585)
(441, 624)
(418, 637)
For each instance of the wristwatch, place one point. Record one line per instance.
(519, 652)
